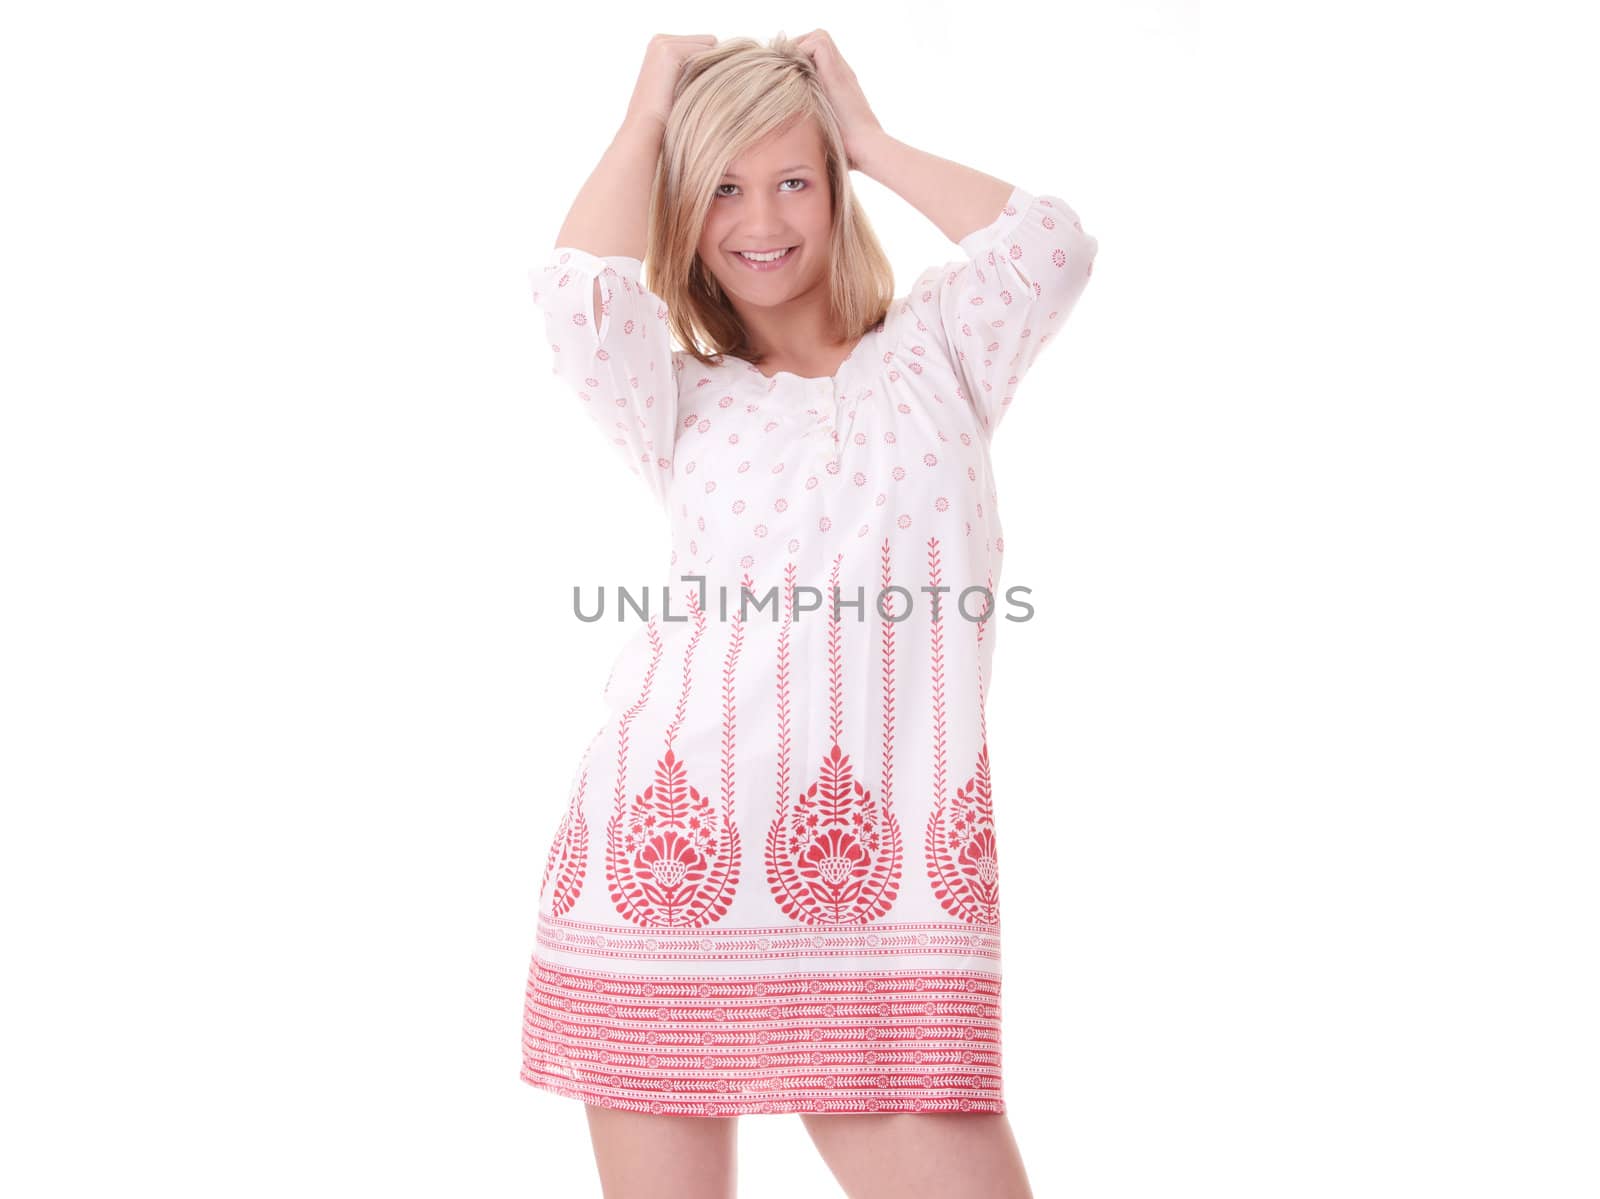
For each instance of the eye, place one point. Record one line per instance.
(724, 195)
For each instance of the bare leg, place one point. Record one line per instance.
(641, 1156)
(962, 1155)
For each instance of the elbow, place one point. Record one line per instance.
(1070, 271)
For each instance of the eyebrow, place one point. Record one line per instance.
(780, 171)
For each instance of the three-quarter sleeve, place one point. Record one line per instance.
(991, 314)
(623, 371)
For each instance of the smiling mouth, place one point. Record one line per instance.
(764, 259)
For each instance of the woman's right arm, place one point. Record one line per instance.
(608, 219)
(608, 333)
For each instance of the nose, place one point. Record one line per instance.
(763, 225)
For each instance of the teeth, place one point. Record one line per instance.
(770, 256)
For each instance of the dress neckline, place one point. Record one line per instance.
(776, 375)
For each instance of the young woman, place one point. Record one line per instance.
(775, 884)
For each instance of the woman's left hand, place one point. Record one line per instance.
(857, 123)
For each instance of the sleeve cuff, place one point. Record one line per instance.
(596, 264)
(1016, 208)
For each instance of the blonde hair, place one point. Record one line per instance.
(730, 98)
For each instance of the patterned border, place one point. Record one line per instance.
(732, 944)
(893, 1041)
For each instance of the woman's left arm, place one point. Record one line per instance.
(958, 199)
(990, 313)
(1026, 257)
(1026, 261)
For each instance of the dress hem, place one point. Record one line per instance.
(791, 1103)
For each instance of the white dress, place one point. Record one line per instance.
(774, 886)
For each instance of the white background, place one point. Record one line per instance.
(1296, 766)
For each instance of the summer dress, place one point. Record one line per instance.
(774, 886)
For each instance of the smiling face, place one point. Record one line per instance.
(772, 198)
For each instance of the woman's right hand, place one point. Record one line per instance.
(658, 78)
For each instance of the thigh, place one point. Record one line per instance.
(912, 1156)
(641, 1156)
